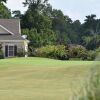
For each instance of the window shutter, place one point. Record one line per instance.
(15, 50)
(6, 51)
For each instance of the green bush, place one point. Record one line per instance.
(56, 52)
(78, 52)
(21, 53)
(62, 52)
(91, 55)
(98, 50)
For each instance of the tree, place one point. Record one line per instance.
(90, 24)
(91, 30)
(40, 39)
(33, 18)
(50, 26)
(17, 14)
(35, 4)
(2, 1)
(4, 11)
(92, 42)
(59, 21)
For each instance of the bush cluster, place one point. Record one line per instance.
(91, 55)
(21, 53)
(56, 52)
(62, 52)
(78, 51)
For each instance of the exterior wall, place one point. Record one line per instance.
(20, 46)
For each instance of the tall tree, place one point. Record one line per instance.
(4, 11)
(17, 14)
(91, 30)
(1, 1)
(33, 17)
(90, 24)
(35, 4)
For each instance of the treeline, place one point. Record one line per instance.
(44, 25)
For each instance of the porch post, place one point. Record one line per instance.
(3, 49)
(26, 48)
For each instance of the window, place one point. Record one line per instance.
(10, 51)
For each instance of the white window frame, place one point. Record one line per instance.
(9, 50)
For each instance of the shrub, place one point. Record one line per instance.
(78, 51)
(98, 50)
(31, 52)
(21, 53)
(91, 55)
(62, 52)
(56, 52)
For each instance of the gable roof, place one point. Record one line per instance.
(12, 25)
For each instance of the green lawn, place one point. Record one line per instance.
(41, 79)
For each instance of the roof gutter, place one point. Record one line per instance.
(14, 41)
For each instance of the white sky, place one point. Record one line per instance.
(76, 9)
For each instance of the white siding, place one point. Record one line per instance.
(20, 46)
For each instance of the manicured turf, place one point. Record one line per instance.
(41, 79)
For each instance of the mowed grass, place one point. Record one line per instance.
(41, 79)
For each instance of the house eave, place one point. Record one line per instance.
(14, 41)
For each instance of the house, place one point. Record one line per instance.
(10, 38)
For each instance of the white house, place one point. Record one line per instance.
(10, 37)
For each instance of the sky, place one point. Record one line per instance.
(75, 9)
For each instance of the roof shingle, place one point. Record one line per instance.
(12, 25)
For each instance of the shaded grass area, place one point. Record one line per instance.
(40, 78)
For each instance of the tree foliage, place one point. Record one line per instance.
(45, 20)
(4, 11)
(2, 1)
(16, 14)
